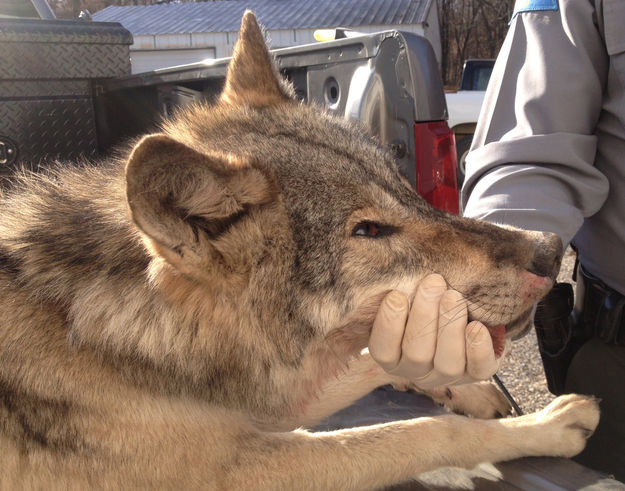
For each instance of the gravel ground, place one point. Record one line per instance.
(522, 372)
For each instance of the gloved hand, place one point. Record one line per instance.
(431, 343)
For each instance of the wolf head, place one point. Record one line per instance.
(300, 220)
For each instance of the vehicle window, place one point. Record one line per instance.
(481, 75)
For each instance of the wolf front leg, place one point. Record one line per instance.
(481, 400)
(381, 455)
(362, 375)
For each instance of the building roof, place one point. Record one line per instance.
(225, 15)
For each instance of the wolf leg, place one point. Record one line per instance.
(382, 455)
(479, 400)
(194, 447)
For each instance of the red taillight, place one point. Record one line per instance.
(437, 164)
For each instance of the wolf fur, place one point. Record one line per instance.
(171, 319)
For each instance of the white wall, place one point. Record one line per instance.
(148, 60)
(178, 49)
(432, 32)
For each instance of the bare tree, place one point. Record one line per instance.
(471, 29)
(494, 26)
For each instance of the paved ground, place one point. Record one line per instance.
(523, 373)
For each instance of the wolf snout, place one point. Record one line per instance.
(534, 287)
(547, 255)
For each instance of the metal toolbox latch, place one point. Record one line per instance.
(8, 151)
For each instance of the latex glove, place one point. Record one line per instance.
(431, 343)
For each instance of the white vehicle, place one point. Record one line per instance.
(465, 104)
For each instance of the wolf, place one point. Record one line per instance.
(176, 318)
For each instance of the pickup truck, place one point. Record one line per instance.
(464, 106)
(66, 93)
(57, 72)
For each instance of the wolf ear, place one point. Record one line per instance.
(252, 78)
(184, 201)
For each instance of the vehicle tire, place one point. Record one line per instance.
(463, 144)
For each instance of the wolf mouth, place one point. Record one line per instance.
(498, 336)
(513, 330)
(521, 325)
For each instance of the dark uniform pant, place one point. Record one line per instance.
(599, 369)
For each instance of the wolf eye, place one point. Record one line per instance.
(370, 229)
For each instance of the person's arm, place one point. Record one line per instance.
(531, 163)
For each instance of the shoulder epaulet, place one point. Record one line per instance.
(521, 6)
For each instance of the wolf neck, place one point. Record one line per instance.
(81, 256)
(97, 277)
(76, 253)
(61, 239)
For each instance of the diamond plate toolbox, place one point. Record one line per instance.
(49, 70)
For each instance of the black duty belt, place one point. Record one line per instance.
(603, 313)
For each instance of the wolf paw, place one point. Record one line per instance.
(564, 425)
(480, 400)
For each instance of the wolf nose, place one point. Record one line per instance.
(547, 255)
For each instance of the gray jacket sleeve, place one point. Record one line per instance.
(531, 163)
